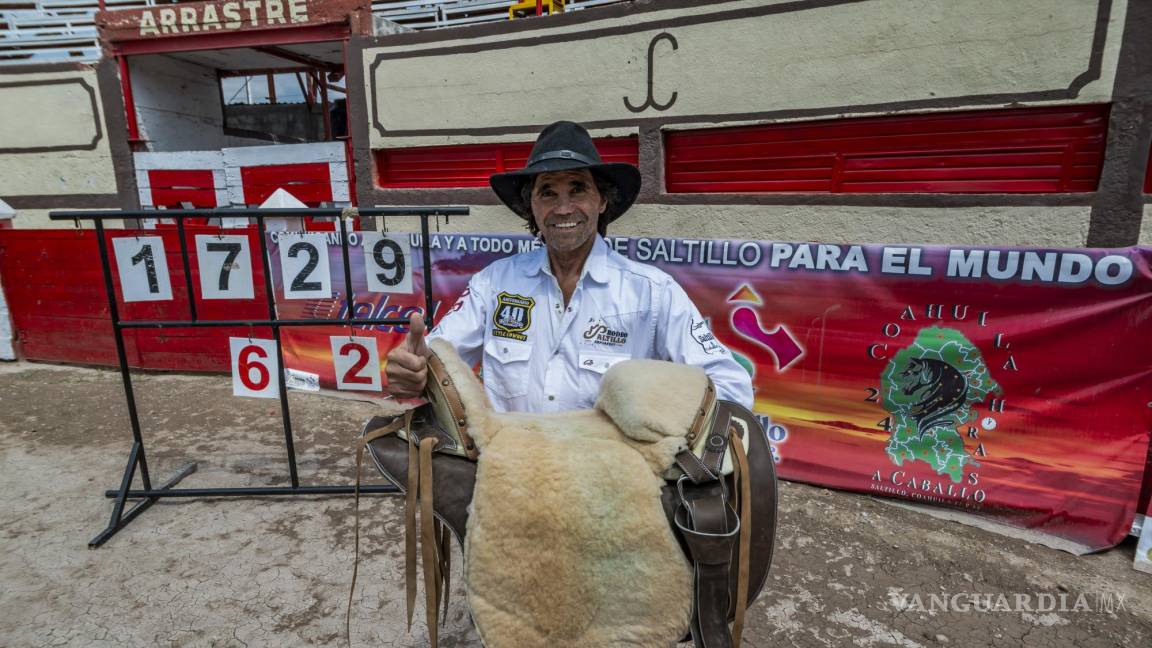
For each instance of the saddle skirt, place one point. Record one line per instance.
(567, 544)
(572, 533)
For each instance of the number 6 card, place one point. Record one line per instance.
(225, 267)
(387, 260)
(143, 268)
(357, 363)
(255, 368)
(304, 266)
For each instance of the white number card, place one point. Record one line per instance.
(388, 262)
(225, 265)
(254, 367)
(304, 266)
(143, 268)
(357, 363)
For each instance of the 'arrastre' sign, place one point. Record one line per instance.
(220, 16)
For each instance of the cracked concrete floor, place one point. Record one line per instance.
(849, 571)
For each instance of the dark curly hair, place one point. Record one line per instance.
(605, 186)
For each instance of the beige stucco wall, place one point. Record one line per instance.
(1040, 226)
(875, 52)
(1146, 226)
(1028, 226)
(59, 114)
(38, 219)
(759, 61)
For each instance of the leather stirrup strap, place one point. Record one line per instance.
(401, 422)
(445, 567)
(709, 466)
(410, 528)
(429, 548)
(710, 528)
(744, 490)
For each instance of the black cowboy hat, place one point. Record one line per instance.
(564, 146)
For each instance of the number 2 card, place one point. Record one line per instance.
(304, 266)
(357, 363)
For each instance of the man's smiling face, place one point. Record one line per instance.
(566, 207)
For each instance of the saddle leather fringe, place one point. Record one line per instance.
(410, 502)
(744, 504)
(433, 576)
(402, 422)
(435, 538)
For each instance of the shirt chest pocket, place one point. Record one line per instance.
(593, 364)
(506, 367)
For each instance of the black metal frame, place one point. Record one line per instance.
(136, 456)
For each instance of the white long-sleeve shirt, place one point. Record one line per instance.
(539, 356)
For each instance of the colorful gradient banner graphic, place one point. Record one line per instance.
(1010, 383)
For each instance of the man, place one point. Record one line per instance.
(547, 324)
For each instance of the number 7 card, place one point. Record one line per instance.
(225, 265)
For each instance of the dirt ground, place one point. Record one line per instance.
(849, 570)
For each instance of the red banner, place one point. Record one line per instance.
(1012, 383)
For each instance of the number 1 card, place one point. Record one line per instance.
(143, 268)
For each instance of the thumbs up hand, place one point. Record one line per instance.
(407, 365)
(415, 340)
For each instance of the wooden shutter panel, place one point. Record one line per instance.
(173, 187)
(309, 182)
(469, 165)
(1027, 150)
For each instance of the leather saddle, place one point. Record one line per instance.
(718, 495)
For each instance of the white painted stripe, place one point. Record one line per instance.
(143, 188)
(247, 156)
(338, 171)
(6, 350)
(232, 187)
(179, 160)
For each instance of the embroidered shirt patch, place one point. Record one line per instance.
(512, 316)
(703, 336)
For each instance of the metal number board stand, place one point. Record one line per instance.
(137, 459)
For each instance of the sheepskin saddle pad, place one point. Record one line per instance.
(578, 527)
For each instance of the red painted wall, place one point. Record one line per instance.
(171, 187)
(1053, 149)
(310, 183)
(55, 291)
(469, 165)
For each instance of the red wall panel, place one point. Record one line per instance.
(310, 183)
(1027, 150)
(171, 187)
(55, 291)
(469, 165)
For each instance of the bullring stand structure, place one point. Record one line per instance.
(136, 456)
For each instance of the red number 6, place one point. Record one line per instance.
(247, 366)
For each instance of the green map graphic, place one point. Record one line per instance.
(930, 388)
